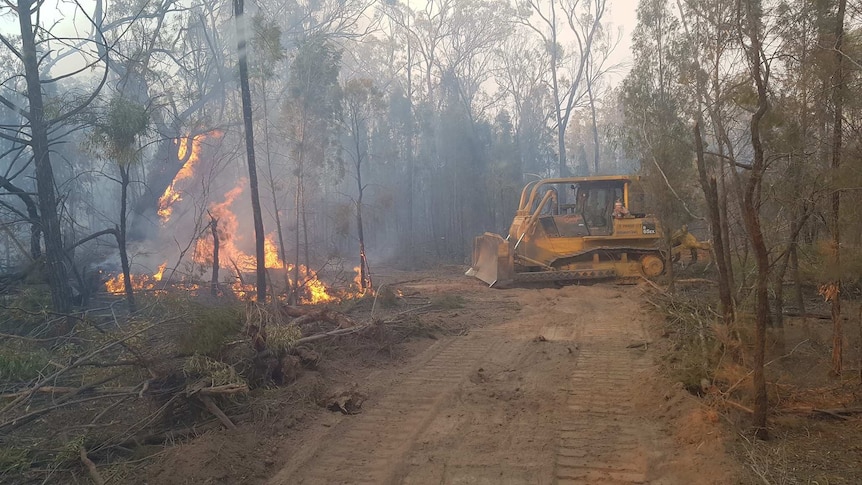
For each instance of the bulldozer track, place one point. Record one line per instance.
(369, 447)
(598, 441)
(546, 393)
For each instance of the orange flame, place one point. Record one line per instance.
(158, 275)
(116, 284)
(187, 147)
(271, 253)
(357, 280)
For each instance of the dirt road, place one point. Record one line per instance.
(548, 389)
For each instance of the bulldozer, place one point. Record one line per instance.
(578, 228)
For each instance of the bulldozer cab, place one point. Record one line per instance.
(575, 207)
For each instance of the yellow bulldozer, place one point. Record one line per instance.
(578, 228)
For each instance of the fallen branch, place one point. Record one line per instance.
(304, 316)
(75, 363)
(332, 333)
(832, 413)
(817, 316)
(837, 412)
(657, 287)
(66, 390)
(19, 421)
(211, 406)
(695, 280)
(739, 406)
(225, 389)
(91, 467)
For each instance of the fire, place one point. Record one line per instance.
(158, 275)
(357, 280)
(233, 238)
(311, 289)
(116, 284)
(271, 254)
(189, 146)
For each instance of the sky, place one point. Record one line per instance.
(623, 14)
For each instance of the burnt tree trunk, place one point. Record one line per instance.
(121, 239)
(214, 280)
(61, 295)
(249, 148)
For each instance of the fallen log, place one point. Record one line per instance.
(91, 467)
(332, 333)
(303, 316)
(842, 412)
(223, 390)
(211, 406)
(66, 390)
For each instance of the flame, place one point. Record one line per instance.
(232, 237)
(189, 146)
(357, 280)
(158, 275)
(316, 290)
(271, 254)
(116, 284)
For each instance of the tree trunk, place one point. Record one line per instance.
(364, 272)
(214, 280)
(751, 217)
(596, 150)
(121, 240)
(837, 128)
(710, 192)
(61, 296)
(249, 148)
(282, 253)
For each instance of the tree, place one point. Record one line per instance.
(835, 213)
(584, 21)
(312, 113)
(118, 134)
(39, 129)
(248, 123)
(362, 102)
(751, 27)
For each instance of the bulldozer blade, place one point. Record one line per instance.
(492, 260)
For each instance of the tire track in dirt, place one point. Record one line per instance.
(601, 437)
(369, 447)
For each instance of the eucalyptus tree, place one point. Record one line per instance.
(40, 124)
(312, 111)
(521, 74)
(655, 106)
(552, 21)
(363, 104)
(174, 63)
(117, 136)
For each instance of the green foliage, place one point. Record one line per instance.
(313, 107)
(695, 351)
(70, 452)
(209, 328)
(13, 460)
(25, 310)
(266, 45)
(448, 301)
(280, 338)
(20, 364)
(119, 128)
(216, 372)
